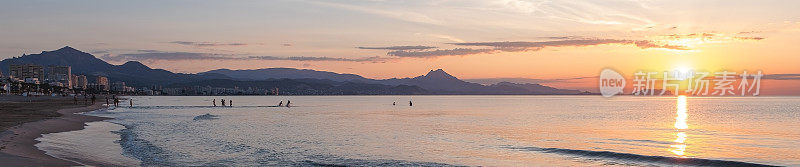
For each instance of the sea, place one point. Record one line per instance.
(438, 131)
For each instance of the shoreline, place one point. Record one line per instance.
(18, 142)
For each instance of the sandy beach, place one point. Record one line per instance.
(27, 118)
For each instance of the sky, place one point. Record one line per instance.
(563, 43)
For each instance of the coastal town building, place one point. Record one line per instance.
(102, 83)
(27, 72)
(59, 76)
(80, 82)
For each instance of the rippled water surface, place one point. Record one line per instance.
(447, 130)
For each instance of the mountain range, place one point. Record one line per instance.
(139, 75)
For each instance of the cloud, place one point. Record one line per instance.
(439, 52)
(155, 55)
(520, 46)
(148, 55)
(650, 44)
(714, 36)
(374, 59)
(539, 45)
(419, 47)
(749, 38)
(782, 76)
(489, 81)
(206, 44)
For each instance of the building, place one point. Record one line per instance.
(118, 86)
(59, 75)
(102, 83)
(80, 82)
(27, 72)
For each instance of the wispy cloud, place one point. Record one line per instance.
(439, 52)
(206, 44)
(155, 55)
(782, 76)
(650, 44)
(520, 46)
(419, 47)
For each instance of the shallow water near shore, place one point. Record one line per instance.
(440, 131)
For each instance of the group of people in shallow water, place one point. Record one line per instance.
(288, 103)
(113, 99)
(214, 102)
(409, 103)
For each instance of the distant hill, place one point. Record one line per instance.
(435, 81)
(82, 63)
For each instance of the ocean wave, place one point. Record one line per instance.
(147, 153)
(640, 158)
(205, 117)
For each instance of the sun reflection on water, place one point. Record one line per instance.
(679, 148)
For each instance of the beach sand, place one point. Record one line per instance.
(27, 118)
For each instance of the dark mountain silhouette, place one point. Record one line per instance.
(82, 63)
(536, 88)
(436, 80)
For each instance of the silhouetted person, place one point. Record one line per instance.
(131, 102)
(280, 104)
(410, 104)
(93, 98)
(107, 102)
(230, 103)
(85, 100)
(288, 102)
(214, 101)
(75, 98)
(223, 102)
(394, 103)
(116, 102)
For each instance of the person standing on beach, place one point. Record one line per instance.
(410, 104)
(131, 102)
(214, 101)
(288, 102)
(75, 98)
(93, 98)
(107, 101)
(85, 100)
(116, 102)
(230, 103)
(223, 102)
(280, 104)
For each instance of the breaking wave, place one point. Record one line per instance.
(638, 158)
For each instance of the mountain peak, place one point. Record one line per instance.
(439, 73)
(135, 65)
(67, 49)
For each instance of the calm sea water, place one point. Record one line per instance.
(440, 131)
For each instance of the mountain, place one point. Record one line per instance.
(436, 80)
(537, 89)
(289, 73)
(81, 62)
(132, 73)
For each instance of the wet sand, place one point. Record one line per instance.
(27, 118)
